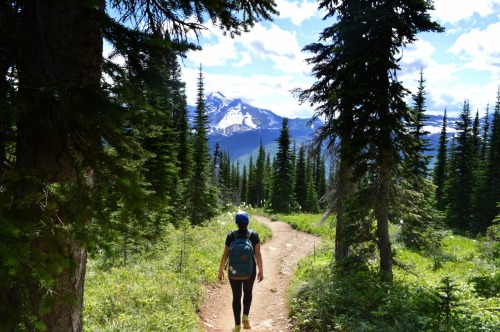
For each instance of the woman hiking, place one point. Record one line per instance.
(242, 253)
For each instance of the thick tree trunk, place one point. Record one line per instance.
(60, 57)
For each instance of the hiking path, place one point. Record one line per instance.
(280, 255)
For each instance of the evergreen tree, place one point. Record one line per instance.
(320, 176)
(236, 181)
(268, 173)
(417, 163)
(476, 139)
(259, 185)
(439, 176)
(216, 164)
(459, 209)
(312, 202)
(75, 136)
(201, 197)
(301, 179)
(492, 177)
(226, 188)
(282, 197)
(244, 185)
(250, 198)
(480, 143)
(362, 101)
(485, 135)
(418, 218)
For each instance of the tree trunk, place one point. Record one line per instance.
(59, 59)
(382, 215)
(343, 192)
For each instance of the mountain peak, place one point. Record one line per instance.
(217, 95)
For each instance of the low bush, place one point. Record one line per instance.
(459, 295)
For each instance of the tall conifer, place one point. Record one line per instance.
(440, 168)
(301, 179)
(492, 178)
(459, 209)
(362, 101)
(201, 198)
(312, 201)
(282, 195)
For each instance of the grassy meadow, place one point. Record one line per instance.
(161, 288)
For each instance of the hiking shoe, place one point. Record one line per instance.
(246, 322)
(237, 328)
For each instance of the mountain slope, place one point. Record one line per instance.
(239, 127)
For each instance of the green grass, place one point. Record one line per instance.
(310, 223)
(321, 299)
(162, 288)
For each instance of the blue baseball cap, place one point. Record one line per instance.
(242, 218)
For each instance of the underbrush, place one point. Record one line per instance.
(161, 287)
(458, 294)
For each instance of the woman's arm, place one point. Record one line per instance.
(223, 263)
(258, 257)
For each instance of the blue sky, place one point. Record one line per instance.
(263, 65)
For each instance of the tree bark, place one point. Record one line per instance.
(343, 192)
(60, 58)
(382, 215)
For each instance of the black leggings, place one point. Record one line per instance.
(237, 286)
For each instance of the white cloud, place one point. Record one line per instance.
(246, 59)
(276, 45)
(297, 11)
(454, 11)
(273, 44)
(420, 51)
(480, 49)
(217, 53)
(270, 91)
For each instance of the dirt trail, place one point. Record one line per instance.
(268, 312)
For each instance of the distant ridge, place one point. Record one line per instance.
(239, 127)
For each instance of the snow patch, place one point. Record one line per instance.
(437, 130)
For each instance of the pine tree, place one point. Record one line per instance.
(268, 174)
(439, 176)
(244, 185)
(418, 218)
(236, 181)
(216, 164)
(312, 202)
(417, 164)
(459, 209)
(492, 177)
(201, 197)
(250, 198)
(301, 179)
(282, 195)
(77, 137)
(259, 189)
(320, 176)
(485, 135)
(480, 143)
(226, 188)
(362, 101)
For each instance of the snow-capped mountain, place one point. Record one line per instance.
(239, 127)
(228, 116)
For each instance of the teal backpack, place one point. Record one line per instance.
(241, 257)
